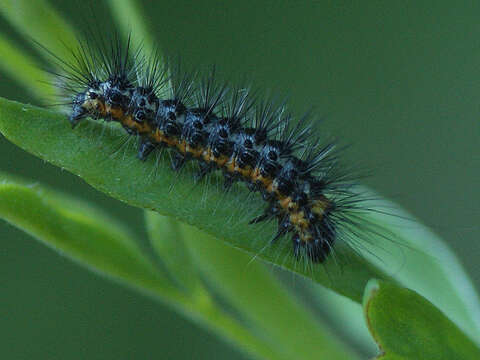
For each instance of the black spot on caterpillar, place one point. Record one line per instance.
(226, 129)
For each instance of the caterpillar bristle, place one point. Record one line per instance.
(229, 129)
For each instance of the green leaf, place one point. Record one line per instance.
(104, 160)
(254, 292)
(421, 261)
(89, 237)
(167, 240)
(80, 232)
(274, 314)
(153, 185)
(344, 314)
(407, 326)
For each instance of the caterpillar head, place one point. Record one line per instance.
(89, 103)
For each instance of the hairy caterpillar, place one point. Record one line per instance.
(222, 128)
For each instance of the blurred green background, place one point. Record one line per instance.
(399, 81)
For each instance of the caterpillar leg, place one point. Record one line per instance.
(284, 227)
(178, 161)
(145, 148)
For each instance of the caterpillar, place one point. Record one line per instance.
(222, 128)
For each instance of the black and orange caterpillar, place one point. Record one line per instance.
(221, 128)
